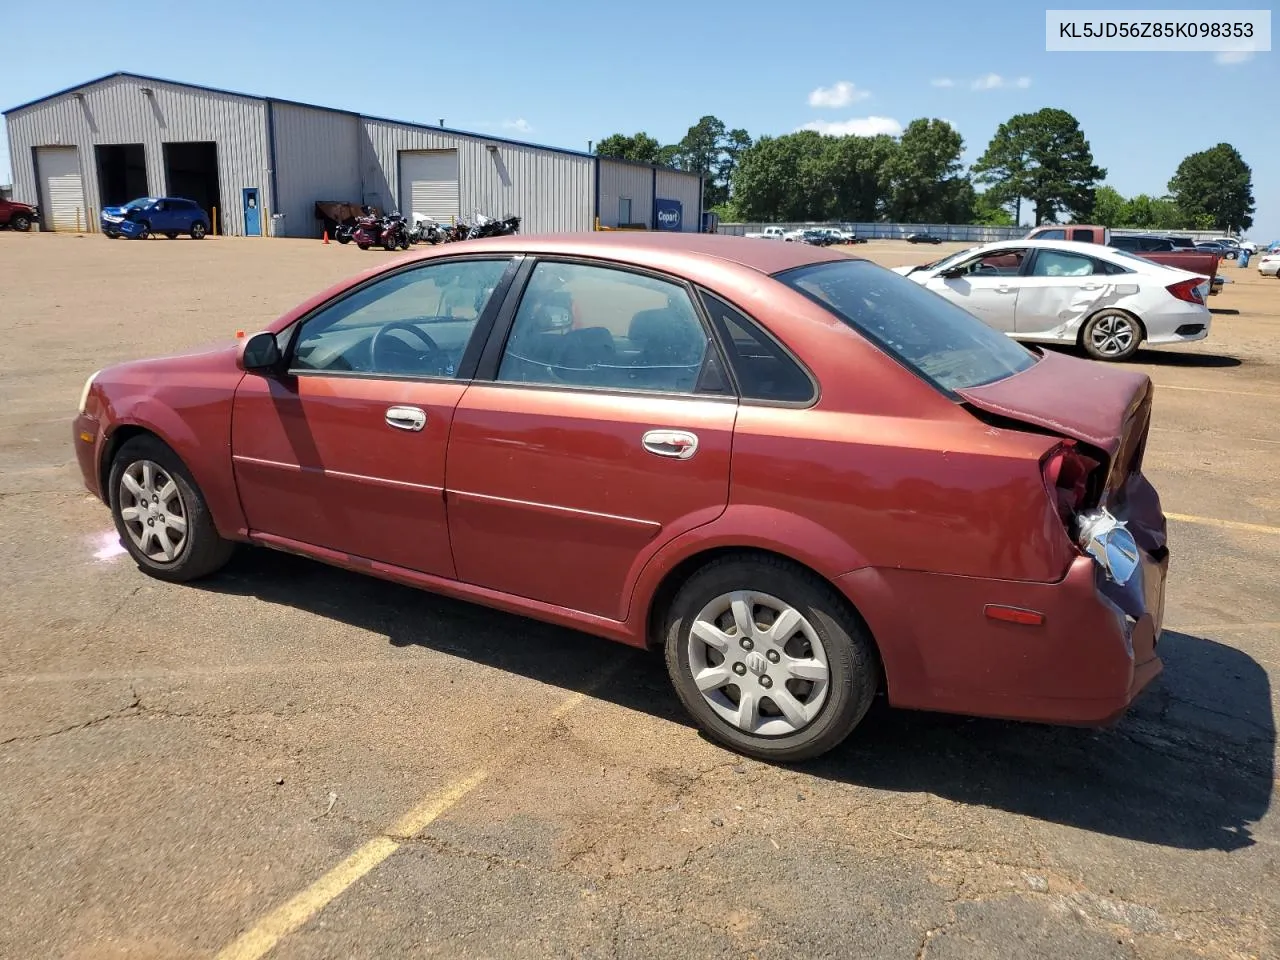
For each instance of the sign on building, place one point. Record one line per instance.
(669, 214)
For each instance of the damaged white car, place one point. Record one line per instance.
(1107, 301)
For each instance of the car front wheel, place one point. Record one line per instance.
(161, 515)
(768, 659)
(198, 231)
(21, 222)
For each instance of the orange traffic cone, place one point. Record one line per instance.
(326, 236)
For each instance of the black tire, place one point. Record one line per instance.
(390, 244)
(113, 236)
(171, 234)
(363, 246)
(198, 230)
(202, 551)
(852, 661)
(1110, 345)
(20, 222)
(343, 239)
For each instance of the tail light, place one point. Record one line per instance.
(1066, 478)
(1068, 474)
(1190, 291)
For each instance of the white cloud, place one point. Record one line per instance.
(838, 95)
(857, 126)
(519, 125)
(1230, 58)
(993, 81)
(943, 82)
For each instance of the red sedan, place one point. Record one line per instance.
(805, 477)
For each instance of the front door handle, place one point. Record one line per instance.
(1089, 286)
(406, 418)
(678, 444)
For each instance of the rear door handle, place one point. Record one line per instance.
(677, 444)
(406, 418)
(1004, 288)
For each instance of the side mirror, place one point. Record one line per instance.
(955, 273)
(260, 353)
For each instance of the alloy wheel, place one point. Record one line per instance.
(1113, 335)
(153, 511)
(758, 663)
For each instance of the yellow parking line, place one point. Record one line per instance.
(1233, 393)
(262, 937)
(1228, 524)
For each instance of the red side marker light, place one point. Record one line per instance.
(239, 334)
(1028, 618)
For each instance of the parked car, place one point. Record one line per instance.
(169, 216)
(818, 238)
(1107, 301)
(1193, 261)
(1141, 243)
(1224, 250)
(1237, 243)
(803, 477)
(1269, 264)
(923, 238)
(18, 216)
(768, 233)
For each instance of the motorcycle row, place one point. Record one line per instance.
(393, 231)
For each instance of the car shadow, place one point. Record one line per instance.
(1156, 358)
(1224, 311)
(1191, 765)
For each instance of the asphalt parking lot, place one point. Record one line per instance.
(293, 760)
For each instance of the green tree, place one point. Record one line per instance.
(641, 147)
(922, 174)
(1109, 207)
(1154, 213)
(1215, 186)
(1044, 157)
(784, 178)
(990, 213)
(854, 169)
(711, 151)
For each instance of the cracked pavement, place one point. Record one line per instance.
(177, 761)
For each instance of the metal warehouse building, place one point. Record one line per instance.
(255, 158)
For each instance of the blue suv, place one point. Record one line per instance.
(140, 218)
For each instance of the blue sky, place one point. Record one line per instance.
(563, 72)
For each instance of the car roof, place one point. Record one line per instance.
(655, 249)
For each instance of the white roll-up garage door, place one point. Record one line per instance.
(429, 183)
(62, 189)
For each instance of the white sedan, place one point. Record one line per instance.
(1269, 264)
(1055, 291)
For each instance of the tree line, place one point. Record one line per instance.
(1041, 159)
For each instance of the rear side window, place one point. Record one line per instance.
(932, 336)
(1083, 236)
(1052, 235)
(1056, 263)
(763, 369)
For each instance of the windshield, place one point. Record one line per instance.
(139, 203)
(938, 264)
(944, 344)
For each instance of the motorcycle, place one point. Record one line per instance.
(342, 232)
(489, 227)
(427, 230)
(390, 232)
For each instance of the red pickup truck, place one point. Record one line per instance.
(17, 216)
(1193, 261)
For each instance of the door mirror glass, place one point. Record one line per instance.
(261, 352)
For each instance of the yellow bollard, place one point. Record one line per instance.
(213, 215)
(266, 222)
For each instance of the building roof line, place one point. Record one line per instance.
(350, 113)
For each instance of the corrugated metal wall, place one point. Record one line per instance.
(549, 191)
(686, 188)
(618, 180)
(317, 158)
(116, 111)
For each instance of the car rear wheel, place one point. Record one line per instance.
(1111, 335)
(198, 231)
(21, 222)
(161, 515)
(768, 659)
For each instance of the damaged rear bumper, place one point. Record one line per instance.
(1093, 652)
